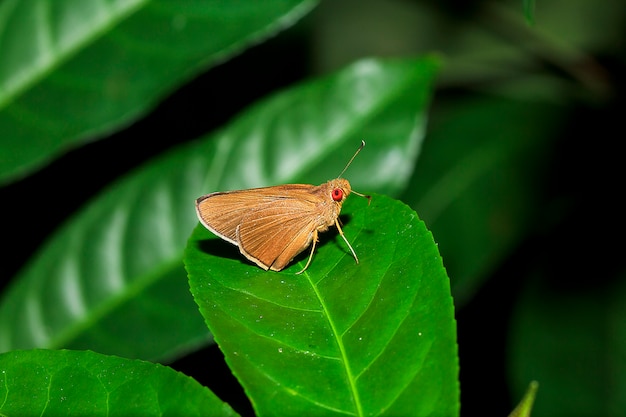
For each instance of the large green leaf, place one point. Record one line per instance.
(473, 186)
(112, 278)
(60, 383)
(374, 338)
(72, 69)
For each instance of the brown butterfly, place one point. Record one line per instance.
(272, 225)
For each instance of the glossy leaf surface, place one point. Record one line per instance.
(374, 338)
(72, 70)
(55, 383)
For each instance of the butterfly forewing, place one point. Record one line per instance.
(222, 212)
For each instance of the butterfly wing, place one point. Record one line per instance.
(222, 213)
(270, 225)
(273, 234)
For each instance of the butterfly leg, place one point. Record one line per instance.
(313, 243)
(348, 243)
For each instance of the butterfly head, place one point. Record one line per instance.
(339, 190)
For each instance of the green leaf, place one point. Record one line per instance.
(73, 70)
(472, 185)
(55, 383)
(112, 278)
(524, 408)
(571, 340)
(374, 338)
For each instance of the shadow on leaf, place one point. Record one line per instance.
(220, 248)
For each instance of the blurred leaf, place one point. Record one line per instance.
(529, 11)
(72, 70)
(478, 185)
(374, 338)
(573, 25)
(524, 408)
(112, 278)
(55, 383)
(572, 341)
(348, 29)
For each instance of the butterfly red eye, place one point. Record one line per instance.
(337, 194)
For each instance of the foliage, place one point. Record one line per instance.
(69, 382)
(115, 116)
(367, 339)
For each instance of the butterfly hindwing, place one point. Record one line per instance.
(273, 234)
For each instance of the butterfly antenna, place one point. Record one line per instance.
(369, 197)
(352, 159)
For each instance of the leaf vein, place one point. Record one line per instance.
(298, 393)
(272, 302)
(342, 349)
(277, 340)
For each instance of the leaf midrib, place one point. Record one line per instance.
(340, 345)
